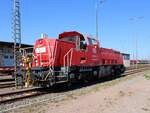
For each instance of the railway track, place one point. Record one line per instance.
(133, 71)
(138, 67)
(7, 84)
(33, 92)
(21, 94)
(4, 81)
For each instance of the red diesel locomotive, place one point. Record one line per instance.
(73, 57)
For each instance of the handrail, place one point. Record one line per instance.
(24, 50)
(67, 62)
(51, 68)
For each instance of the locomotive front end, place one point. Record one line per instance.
(43, 60)
(43, 53)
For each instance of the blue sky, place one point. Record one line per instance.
(52, 17)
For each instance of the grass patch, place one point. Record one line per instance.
(147, 76)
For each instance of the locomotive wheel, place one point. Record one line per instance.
(118, 72)
(112, 72)
(71, 78)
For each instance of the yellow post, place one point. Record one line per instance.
(27, 62)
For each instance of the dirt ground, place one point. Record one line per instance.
(130, 96)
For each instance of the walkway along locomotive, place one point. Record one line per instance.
(72, 57)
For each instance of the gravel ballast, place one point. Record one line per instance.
(128, 94)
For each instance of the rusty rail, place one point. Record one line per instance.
(33, 92)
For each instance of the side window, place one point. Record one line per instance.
(5, 57)
(69, 39)
(92, 41)
(83, 44)
(11, 57)
(126, 57)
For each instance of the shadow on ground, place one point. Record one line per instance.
(65, 88)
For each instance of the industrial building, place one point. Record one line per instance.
(7, 53)
(126, 59)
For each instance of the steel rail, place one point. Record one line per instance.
(20, 94)
(7, 84)
(7, 79)
(33, 92)
(128, 69)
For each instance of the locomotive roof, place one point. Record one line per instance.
(11, 44)
(71, 33)
(109, 50)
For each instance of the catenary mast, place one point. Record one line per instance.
(16, 35)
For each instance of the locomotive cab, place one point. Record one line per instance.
(86, 50)
(74, 37)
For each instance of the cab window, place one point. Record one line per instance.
(83, 44)
(69, 39)
(92, 41)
